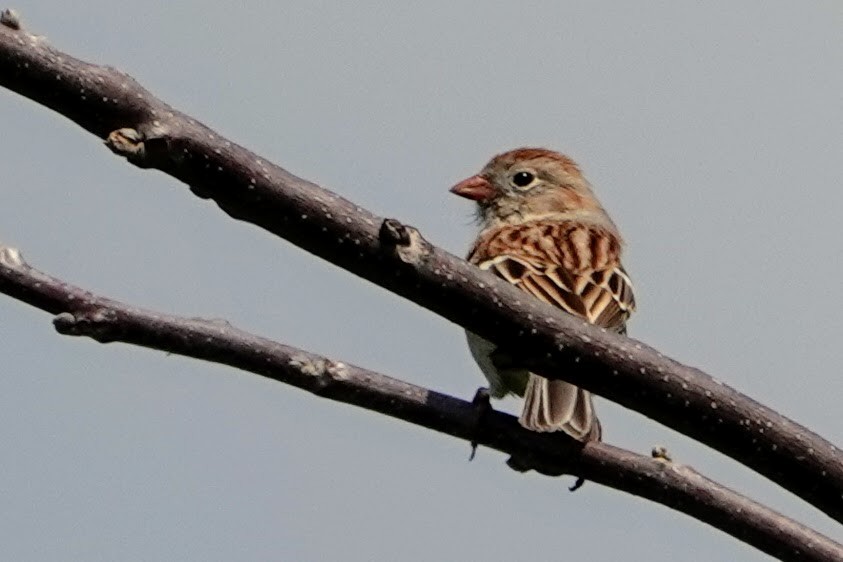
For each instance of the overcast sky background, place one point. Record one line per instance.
(713, 132)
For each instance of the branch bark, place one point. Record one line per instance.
(81, 313)
(151, 134)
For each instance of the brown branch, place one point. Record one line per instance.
(151, 134)
(81, 313)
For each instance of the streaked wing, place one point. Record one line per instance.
(616, 301)
(573, 266)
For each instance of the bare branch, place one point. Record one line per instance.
(81, 313)
(151, 134)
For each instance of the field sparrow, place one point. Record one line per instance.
(544, 231)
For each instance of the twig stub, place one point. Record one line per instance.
(126, 142)
(394, 233)
(10, 19)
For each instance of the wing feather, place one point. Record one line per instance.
(558, 264)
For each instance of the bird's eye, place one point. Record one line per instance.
(523, 179)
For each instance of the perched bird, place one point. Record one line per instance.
(544, 231)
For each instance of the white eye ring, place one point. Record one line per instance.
(523, 180)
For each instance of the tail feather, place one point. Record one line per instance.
(559, 406)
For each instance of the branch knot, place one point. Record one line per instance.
(128, 143)
(11, 257)
(97, 323)
(405, 241)
(10, 19)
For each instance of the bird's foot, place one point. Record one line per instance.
(482, 406)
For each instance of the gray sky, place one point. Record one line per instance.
(712, 132)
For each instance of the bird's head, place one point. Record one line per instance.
(528, 183)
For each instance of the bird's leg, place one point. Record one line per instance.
(482, 407)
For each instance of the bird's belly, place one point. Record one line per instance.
(502, 381)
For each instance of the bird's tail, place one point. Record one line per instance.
(559, 406)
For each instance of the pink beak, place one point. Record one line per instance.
(476, 188)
